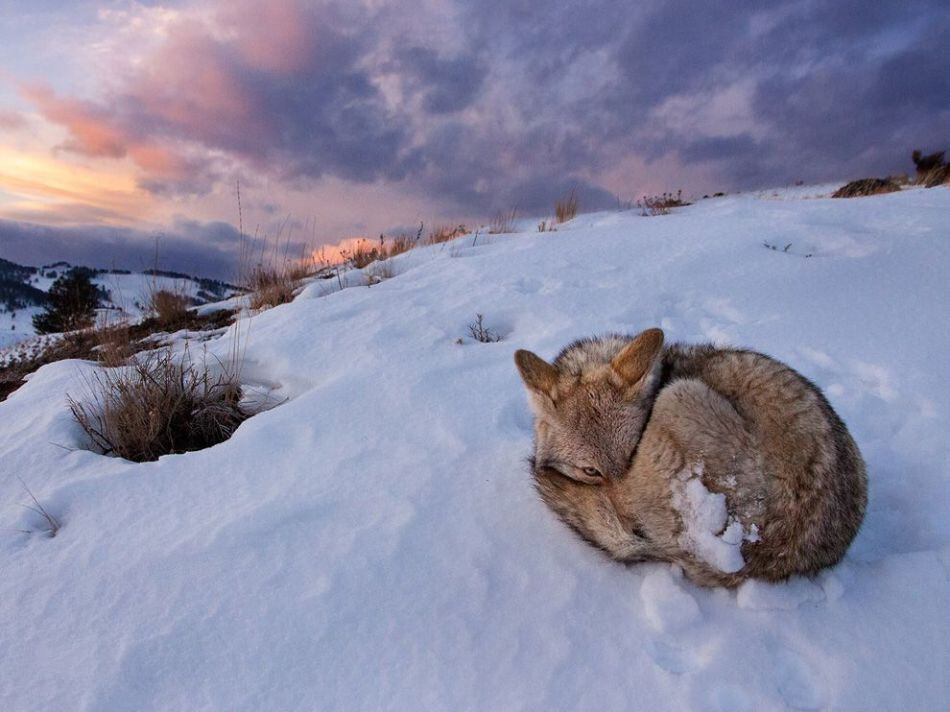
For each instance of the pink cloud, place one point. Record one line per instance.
(94, 133)
(273, 36)
(91, 131)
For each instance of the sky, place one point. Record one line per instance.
(127, 129)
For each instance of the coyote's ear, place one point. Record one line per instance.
(640, 357)
(538, 375)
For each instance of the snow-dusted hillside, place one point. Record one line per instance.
(127, 297)
(374, 542)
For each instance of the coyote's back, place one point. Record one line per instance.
(725, 461)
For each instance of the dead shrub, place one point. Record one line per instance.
(159, 405)
(480, 332)
(660, 204)
(566, 208)
(865, 187)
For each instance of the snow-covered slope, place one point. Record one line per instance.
(374, 542)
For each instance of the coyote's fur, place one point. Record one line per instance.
(635, 440)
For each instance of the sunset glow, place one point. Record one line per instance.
(41, 186)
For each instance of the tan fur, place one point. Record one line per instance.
(622, 423)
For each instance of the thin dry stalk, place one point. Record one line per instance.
(566, 208)
(52, 524)
(503, 222)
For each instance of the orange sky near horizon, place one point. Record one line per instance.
(40, 187)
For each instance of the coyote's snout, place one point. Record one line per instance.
(726, 462)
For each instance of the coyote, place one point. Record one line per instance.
(724, 461)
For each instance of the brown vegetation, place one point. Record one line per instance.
(169, 308)
(159, 405)
(273, 286)
(931, 169)
(444, 233)
(480, 332)
(660, 204)
(566, 208)
(865, 187)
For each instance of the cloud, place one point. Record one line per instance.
(11, 120)
(203, 249)
(42, 184)
(446, 85)
(490, 104)
(91, 131)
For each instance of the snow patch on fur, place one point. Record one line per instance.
(708, 530)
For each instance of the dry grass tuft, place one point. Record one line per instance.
(935, 177)
(113, 344)
(566, 208)
(399, 244)
(51, 525)
(169, 308)
(272, 286)
(362, 254)
(932, 170)
(503, 222)
(660, 204)
(159, 405)
(444, 233)
(866, 186)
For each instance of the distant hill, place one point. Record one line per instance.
(124, 293)
(16, 292)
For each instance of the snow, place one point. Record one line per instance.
(374, 542)
(708, 531)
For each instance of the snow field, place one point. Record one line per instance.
(375, 543)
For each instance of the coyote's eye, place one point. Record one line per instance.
(591, 472)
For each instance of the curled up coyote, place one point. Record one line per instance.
(724, 461)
